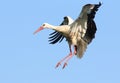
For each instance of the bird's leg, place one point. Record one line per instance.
(69, 55)
(59, 63)
(75, 50)
(65, 64)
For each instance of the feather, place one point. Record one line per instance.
(91, 25)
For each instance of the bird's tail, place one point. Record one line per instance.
(82, 46)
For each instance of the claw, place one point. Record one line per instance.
(65, 64)
(58, 64)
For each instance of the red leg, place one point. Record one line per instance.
(59, 63)
(65, 64)
(70, 56)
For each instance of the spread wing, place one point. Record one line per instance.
(91, 25)
(84, 27)
(55, 36)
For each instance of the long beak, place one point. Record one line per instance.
(39, 29)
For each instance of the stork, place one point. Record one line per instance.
(78, 34)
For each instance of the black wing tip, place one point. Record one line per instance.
(53, 33)
(98, 5)
(55, 40)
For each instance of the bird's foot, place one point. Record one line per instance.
(65, 64)
(67, 58)
(59, 63)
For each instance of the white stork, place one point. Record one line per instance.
(79, 33)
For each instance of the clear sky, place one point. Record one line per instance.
(28, 58)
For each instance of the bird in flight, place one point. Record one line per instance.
(78, 33)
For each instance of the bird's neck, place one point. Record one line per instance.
(56, 28)
(49, 26)
(62, 29)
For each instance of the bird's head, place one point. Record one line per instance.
(44, 25)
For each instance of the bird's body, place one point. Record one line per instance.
(78, 33)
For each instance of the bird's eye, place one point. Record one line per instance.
(43, 24)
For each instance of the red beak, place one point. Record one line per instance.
(39, 29)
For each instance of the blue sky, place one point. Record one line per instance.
(28, 58)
